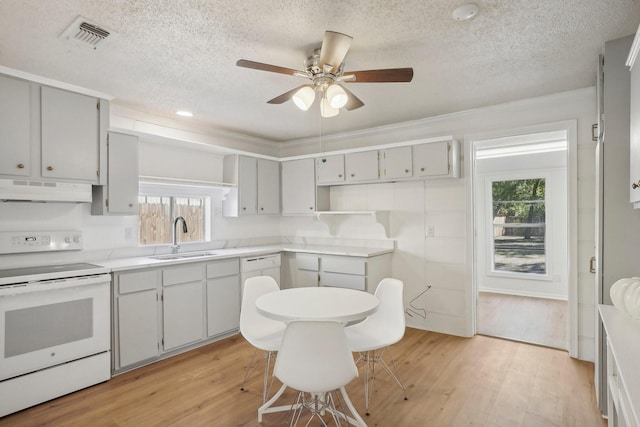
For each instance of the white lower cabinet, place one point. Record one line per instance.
(136, 327)
(182, 305)
(361, 273)
(223, 296)
(162, 311)
(623, 353)
(307, 270)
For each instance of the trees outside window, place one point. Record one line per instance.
(519, 226)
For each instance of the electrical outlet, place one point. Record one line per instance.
(128, 233)
(431, 231)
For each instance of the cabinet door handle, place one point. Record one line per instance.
(406, 171)
(261, 209)
(635, 185)
(421, 169)
(130, 205)
(592, 268)
(49, 168)
(352, 175)
(339, 175)
(311, 208)
(244, 209)
(20, 165)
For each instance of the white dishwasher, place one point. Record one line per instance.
(263, 265)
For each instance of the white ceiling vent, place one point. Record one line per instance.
(85, 33)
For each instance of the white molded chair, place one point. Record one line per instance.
(314, 358)
(263, 333)
(373, 336)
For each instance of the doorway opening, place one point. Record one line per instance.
(521, 241)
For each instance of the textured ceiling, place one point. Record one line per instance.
(165, 55)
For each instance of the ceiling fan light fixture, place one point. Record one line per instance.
(304, 97)
(326, 110)
(337, 96)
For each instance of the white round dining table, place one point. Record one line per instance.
(317, 303)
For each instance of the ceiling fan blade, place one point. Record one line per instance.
(266, 67)
(285, 96)
(353, 102)
(334, 48)
(389, 75)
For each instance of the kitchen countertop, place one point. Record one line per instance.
(122, 264)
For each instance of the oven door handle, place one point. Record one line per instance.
(52, 285)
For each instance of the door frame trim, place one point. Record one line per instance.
(571, 127)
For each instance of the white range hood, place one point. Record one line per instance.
(22, 190)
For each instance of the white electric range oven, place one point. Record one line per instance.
(54, 331)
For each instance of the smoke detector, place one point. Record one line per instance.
(84, 32)
(465, 12)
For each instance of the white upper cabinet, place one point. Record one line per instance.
(120, 195)
(361, 166)
(396, 163)
(634, 136)
(70, 135)
(299, 192)
(436, 159)
(268, 187)
(258, 186)
(330, 169)
(247, 185)
(15, 125)
(51, 134)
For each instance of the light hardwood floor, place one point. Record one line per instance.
(451, 381)
(535, 320)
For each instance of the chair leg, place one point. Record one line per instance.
(249, 369)
(266, 407)
(266, 383)
(267, 380)
(371, 359)
(393, 374)
(368, 369)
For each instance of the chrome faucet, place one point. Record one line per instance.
(174, 245)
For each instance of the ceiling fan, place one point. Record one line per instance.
(325, 69)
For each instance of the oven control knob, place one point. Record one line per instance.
(67, 239)
(76, 239)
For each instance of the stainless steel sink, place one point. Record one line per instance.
(183, 255)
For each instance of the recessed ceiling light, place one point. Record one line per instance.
(465, 12)
(184, 113)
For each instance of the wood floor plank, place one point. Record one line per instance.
(451, 381)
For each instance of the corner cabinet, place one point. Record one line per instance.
(360, 273)
(330, 169)
(300, 195)
(257, 184)
(634, 136)
(120, 195)
(51, 134)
